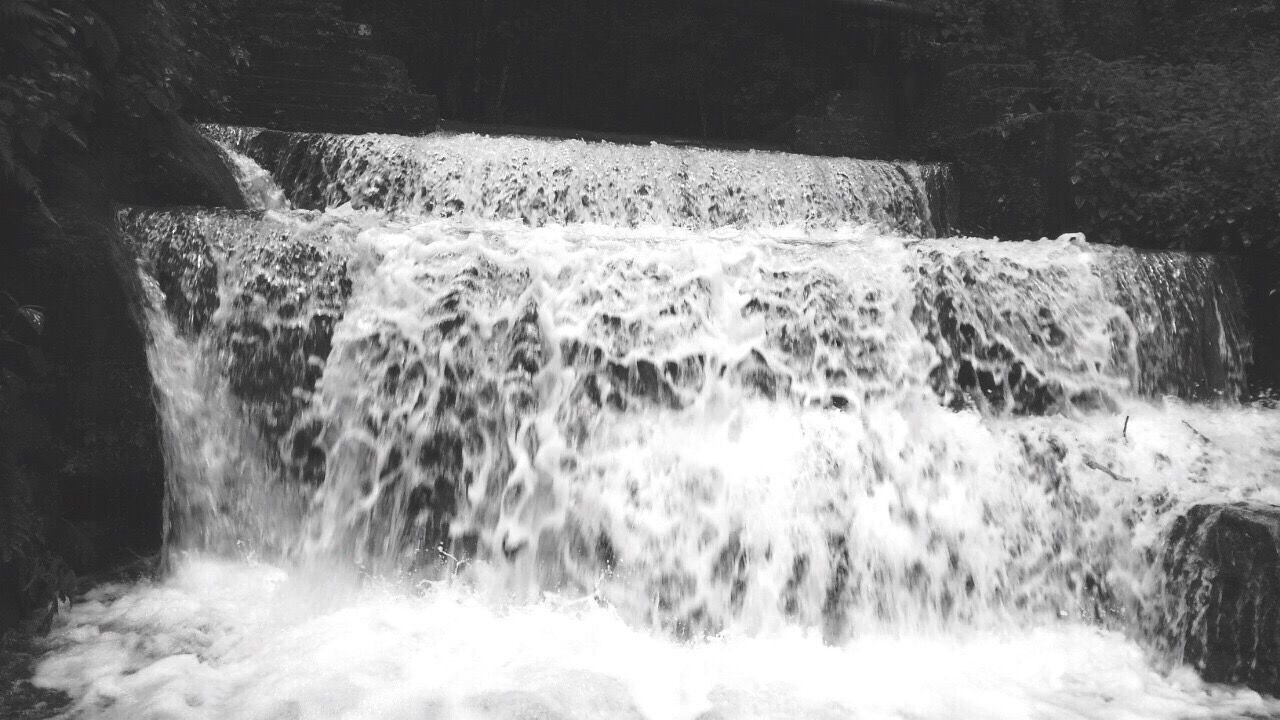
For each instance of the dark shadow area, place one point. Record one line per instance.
(707, 70)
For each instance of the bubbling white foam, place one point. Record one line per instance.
(229, 639)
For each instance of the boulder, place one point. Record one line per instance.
(1222, 593)
(164, 160)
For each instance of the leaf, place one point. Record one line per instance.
(34, 318)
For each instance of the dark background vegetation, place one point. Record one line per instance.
(1153, 123)
(710, 70)
(1161, 113)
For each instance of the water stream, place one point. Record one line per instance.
(518, 428)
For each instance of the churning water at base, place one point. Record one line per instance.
(508, 461)
(228, 639)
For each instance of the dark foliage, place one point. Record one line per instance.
(1164, 111)
(723, 71)
(65, 62)
(1151, 123)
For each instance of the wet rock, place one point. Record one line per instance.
(974, 365)
(19, 698)
(1193, 340)
(1222, 593)
(301, 172)
(1007, 341)
(264, 297)
(281, 326)
(610, 381)
(755, 374)
(183, 266)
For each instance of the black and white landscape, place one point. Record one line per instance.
(314, 404)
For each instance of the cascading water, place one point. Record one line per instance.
(513, 428)
(544, 183)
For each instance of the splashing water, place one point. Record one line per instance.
(259, 189)
(515, 461)
(225, 639)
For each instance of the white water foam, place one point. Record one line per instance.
(751, 461)
(225, 639)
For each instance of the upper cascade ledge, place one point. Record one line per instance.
(541, 181)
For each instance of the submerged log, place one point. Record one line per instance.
(1222, 586)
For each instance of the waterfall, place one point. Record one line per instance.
(556, 406)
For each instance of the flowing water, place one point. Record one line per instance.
(516, 428)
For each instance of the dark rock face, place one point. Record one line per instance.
(164, 160)
(82, 438)
(81, 469)
(1222, 593)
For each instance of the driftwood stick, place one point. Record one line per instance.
(1091, 463)
(1125, 432)
(457, 564)
(1203, 438)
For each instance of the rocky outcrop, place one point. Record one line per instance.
(1222, 593)
(307, 69)
(164, 160)
(81, 467)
